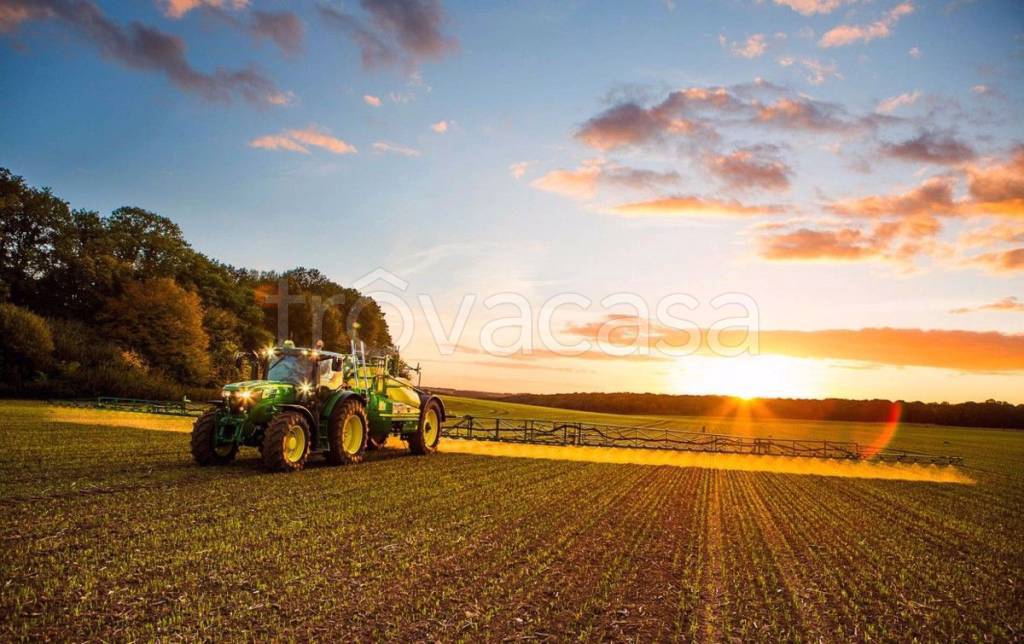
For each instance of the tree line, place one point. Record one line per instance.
(991, 413)
(122, 305)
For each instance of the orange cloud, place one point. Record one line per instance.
(804, 244)
(371, 100)
(942, 349)
(1006, 304)
(961, 350)
(321, 139)
(693, 206)
(849, 34)
(178, 8)
(302, 140)
(933, 196)
(583, 182)
(277, 142)
(755, 167)
(999, 187)
(1000, 261)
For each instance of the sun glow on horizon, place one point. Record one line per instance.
(747, 377)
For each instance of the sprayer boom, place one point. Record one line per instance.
(575, 433)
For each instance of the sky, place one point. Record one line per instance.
(801, 198)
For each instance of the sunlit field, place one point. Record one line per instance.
(112, 533)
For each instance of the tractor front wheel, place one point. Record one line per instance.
(286, 442)
(428, 434)
(205, 450)
(347, 433)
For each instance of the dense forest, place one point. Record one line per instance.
(990, 413)
(122, 305)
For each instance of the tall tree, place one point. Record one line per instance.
(163, 323)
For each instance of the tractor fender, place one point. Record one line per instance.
(308, 415)
(425, 398)
(339, 399)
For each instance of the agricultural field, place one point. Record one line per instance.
(112, 533)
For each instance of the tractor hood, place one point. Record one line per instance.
(255, 390)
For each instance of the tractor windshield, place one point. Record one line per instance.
(290, 368)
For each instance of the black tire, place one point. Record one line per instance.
(426, 438)
(204, 433)
(349, 411)
(279, 453)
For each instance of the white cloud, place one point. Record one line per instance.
(440, 127)
(811, 7)
(372, 100)
(903, 100)
(394, 148)
(753, 47)
(849, 34)
(518, 169)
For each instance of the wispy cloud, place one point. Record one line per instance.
(394, 148)
(1009, 304)
(971, 351)
(178, 8)
(895, 102)
(752, 47)
(931, 147)
(811, 7)
(302, 140)
(394, 33)
(583, 182)
(696, 114)
(371, 100)
(440, 127)
(145, 48)
(518, 169)
(282, 28)
(693, 206)
(1000, 261)
(849, 34)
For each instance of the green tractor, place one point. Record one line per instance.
(306, 401)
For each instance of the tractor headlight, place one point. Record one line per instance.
(239, 400)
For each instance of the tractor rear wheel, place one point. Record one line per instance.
(286, 442)
(205, 450)
(347, 433)
(428, 434)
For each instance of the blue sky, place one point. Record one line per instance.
(920, 96)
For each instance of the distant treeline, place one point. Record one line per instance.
(122, 305)
(990, 413)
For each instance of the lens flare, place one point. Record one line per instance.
(885, 436)
(742, 462)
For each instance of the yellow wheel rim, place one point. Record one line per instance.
(431, 427)
(352, 434)
(294, 444)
